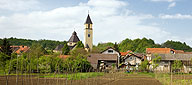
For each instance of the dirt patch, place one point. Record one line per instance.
(107, 79)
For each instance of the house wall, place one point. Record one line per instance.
(107, 51)
(164, 66)
(71, 43)
(133, 60)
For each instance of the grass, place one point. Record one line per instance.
(74, 76)
(150, 74)
(165, 78)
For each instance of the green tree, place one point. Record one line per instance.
(177, 64)
(103, 46)
(5, 47)
(116, 47)
(79, 44)
(144, 65)
(65, 49)
(155, 61)
(177, 45)
(44, 64)
(77, 64)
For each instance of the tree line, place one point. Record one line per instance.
(47, 44)
(36, 60)
(136, 45)
(140, 45)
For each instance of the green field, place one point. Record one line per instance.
(74, 76)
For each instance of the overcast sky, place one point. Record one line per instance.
(113, 20)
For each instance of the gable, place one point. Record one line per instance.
(109, 51)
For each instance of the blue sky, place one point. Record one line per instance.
(114, 20)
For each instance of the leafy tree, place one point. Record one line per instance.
(4, 59)
(155, 61)
(77, 64)
(103, 46)
(65, 49)
(44, 64)
(79, 44)
(116, 47)
(47, 44)
(95, 50)
(5, 47)
(177, 64)
(144, 65)
(177, 45)
(78, 51)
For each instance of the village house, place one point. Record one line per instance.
(20, 49)
(131, 60)
(107, 59)
(168, 56)
(150, 51)
(167, 60)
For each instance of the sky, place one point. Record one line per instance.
(113, 20)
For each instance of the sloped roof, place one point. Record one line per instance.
(108, 48)
(88, 20)
(159, 50)
(93, 58)
(186, 57)
(59, 47)
(179, 51)
(74, 37)
(125, 53)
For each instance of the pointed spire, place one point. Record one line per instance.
(74, 37)
(88, 21)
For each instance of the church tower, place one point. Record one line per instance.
(88, 34)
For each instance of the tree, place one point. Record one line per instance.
(36, 51)
(177, 64)
(144, 65)
(79, 44)
(5, 47)
(116, 47)
(78, 51)
(177, 45)
(65, 49)
(77, 64)
(44, 64)
(103, 46)
(155, 61)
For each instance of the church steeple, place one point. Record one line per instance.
(88, 21)
(88, 34)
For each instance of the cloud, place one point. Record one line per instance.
(176, 16)
(163, 0)
(112, 22)
(172, 5)
(17, 5)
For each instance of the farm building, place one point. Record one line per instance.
(167, 60)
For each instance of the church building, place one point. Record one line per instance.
(88, 34)
(88, 38)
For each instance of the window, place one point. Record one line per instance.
(130, 58)
(89, 35)
(110, 51)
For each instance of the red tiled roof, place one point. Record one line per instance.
(179, 51)
(22, 49)
(159, 50)
(125, 53)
